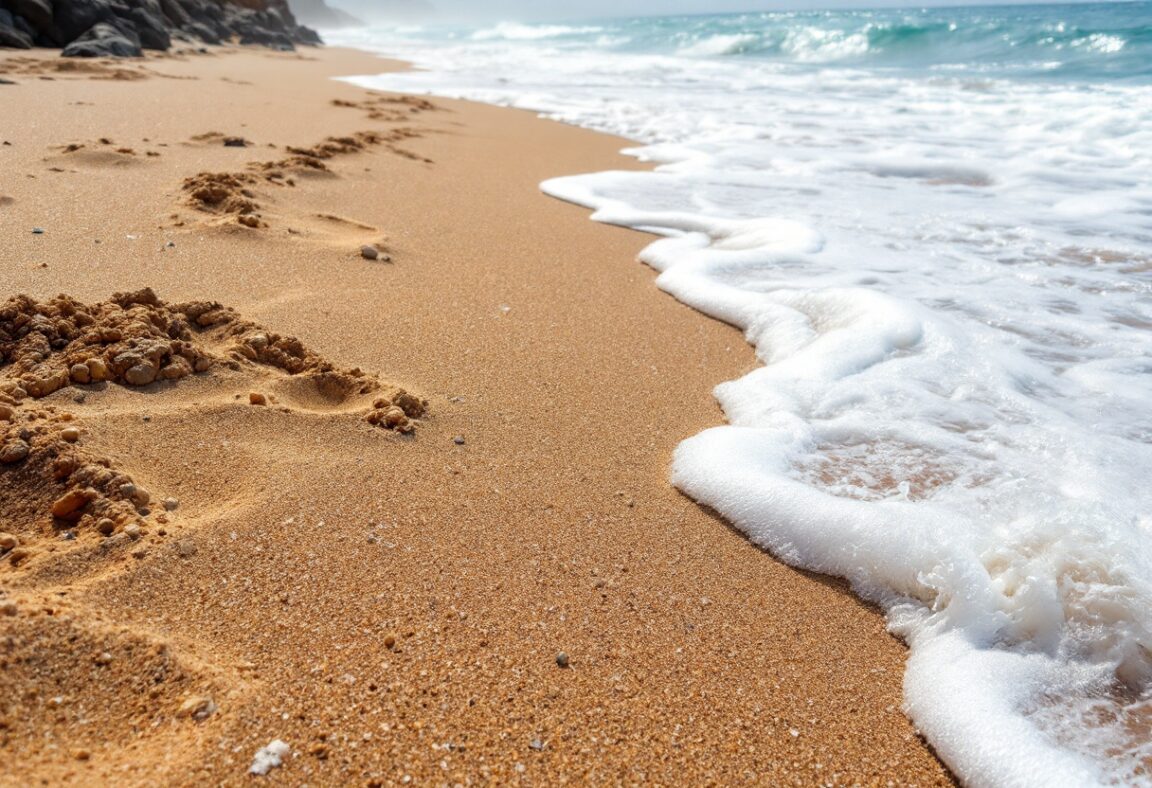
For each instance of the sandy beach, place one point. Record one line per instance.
(389, 595)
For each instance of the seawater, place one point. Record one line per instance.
(935, 227)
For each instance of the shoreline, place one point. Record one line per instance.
(694, 656)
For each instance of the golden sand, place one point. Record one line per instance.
(395, 607)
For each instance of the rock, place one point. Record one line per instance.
(562, 659)
(256, 398)
(71, 505)
(105, 526)
(369, 252)
(102, 40)
(141, 374)
(197, 708)
(9, 608)
(394, 417)
(170, 504)
(248, 220)
(97, 370)
(8, 542)
(14, 451)
(149, 26)
(10, 35)
(103, 658)
(176, 369)
(80, 373)
(70, 434)
(235, 142)
(37, 230)
(19, 555)
(132, 531)
(37, 12)
(6, 413)
(185, 548)
(458, 440)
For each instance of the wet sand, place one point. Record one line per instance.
(390, 605)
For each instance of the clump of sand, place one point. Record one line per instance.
(50, 483)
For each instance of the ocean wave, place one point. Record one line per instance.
(515, 31)
(718, 45)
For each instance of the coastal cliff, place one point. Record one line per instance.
(100, 28)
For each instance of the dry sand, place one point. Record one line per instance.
(390, 605)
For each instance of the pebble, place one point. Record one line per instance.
(105, 526)
(8, 608)
(14, 451)
(185, 548)
(235, 142)
(198, 708)
(71, 504)
(562, 659)
(458, 440)
(536, 745)
(70, 434)
(9, 541)
(103, 658)
(80, 373)
(6, 413)
(170, 504)
(37, 230)
(389, 641)
(256, 398)
(141, 374)
(369, 252)
(132, 531)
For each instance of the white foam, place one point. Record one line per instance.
(269, 757)
(515, 31)
(721, 45)
(950, 290)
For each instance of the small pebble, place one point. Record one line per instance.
(389, 641)
(103, 658)
(562, 659)
(256, 398)
(235, 142)
(369, 252)
(132, 531)
(105, 526)
(170, 504)
(70, 434)
(37, 230)
(8, 608)
(9, 541)
(458, 440)
(536, 744)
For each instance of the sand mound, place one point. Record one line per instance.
(50, 484)
(225, 194)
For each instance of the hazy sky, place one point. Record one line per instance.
(527, 10)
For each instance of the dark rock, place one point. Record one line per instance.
(38, 13)
(202, 32)
(102, 40)
(149, 24)
(10, 34)
(235, 142)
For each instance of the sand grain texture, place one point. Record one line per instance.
(393, 606)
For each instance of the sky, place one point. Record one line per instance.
(532, 10)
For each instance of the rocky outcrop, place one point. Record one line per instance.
(123, 28)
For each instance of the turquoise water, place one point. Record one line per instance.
(1101, 41)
